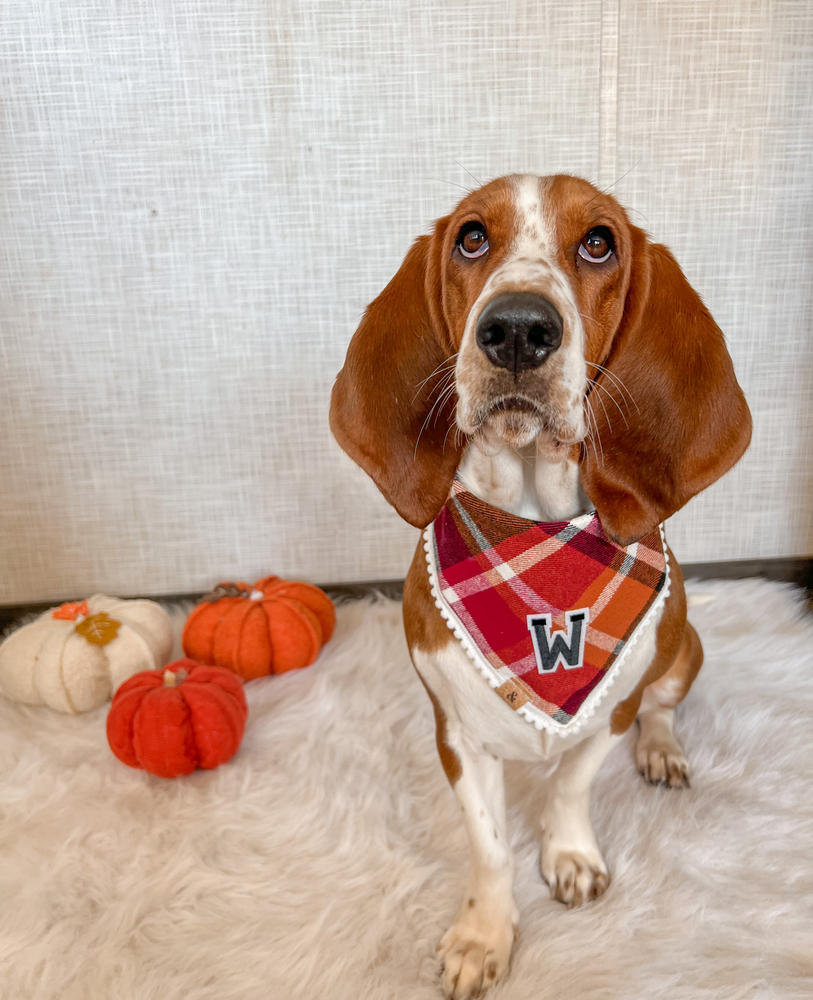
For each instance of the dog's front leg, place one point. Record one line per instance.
(570, 859)
(477, 947)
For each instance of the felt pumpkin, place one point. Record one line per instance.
(274, 626)
(170, 722)
(73, 657)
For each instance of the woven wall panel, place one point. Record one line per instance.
(715, 140)
(197, 200)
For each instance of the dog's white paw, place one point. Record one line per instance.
(476, 950)
(574, 877)
(660, 759)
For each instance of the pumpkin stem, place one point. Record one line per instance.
(172, 678)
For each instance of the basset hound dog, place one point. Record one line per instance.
(540, 388)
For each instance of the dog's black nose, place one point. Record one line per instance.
(518, 330)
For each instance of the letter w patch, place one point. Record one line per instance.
(560, 647)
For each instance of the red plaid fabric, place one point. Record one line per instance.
(545, 611)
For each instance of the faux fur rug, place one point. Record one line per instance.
(327, 859)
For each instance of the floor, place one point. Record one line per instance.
(327, 858)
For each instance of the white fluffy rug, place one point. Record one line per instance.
(327, 858)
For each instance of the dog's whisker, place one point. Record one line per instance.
(446, 387)
(591, 319)
(444, 366)
(442, 400)
(612, 375)
(462, 187)
(426, 420)
(594, 435)
(475, 179)
(440, 387)
(604, 408)
(452, 426)
(613, 400)
(618, 180)
(452, 358)
(589, 437)
(435, 374)
(420, 434)
(617, 381)
(607, 388)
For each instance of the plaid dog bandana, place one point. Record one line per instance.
(546, 612)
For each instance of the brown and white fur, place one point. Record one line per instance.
(632, 413)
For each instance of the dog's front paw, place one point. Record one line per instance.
(476, 950)
(574, 877)
(660, 759)
(659, 768)
(658, 754)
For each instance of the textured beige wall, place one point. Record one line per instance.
(198, 199)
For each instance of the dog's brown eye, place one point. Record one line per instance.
(597, 245)
(472, 240)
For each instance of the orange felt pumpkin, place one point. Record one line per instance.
(170, 722)
(274, 626)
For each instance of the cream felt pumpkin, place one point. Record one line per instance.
(72, 658)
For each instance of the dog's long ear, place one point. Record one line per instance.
(685, 421)
(390, 409)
